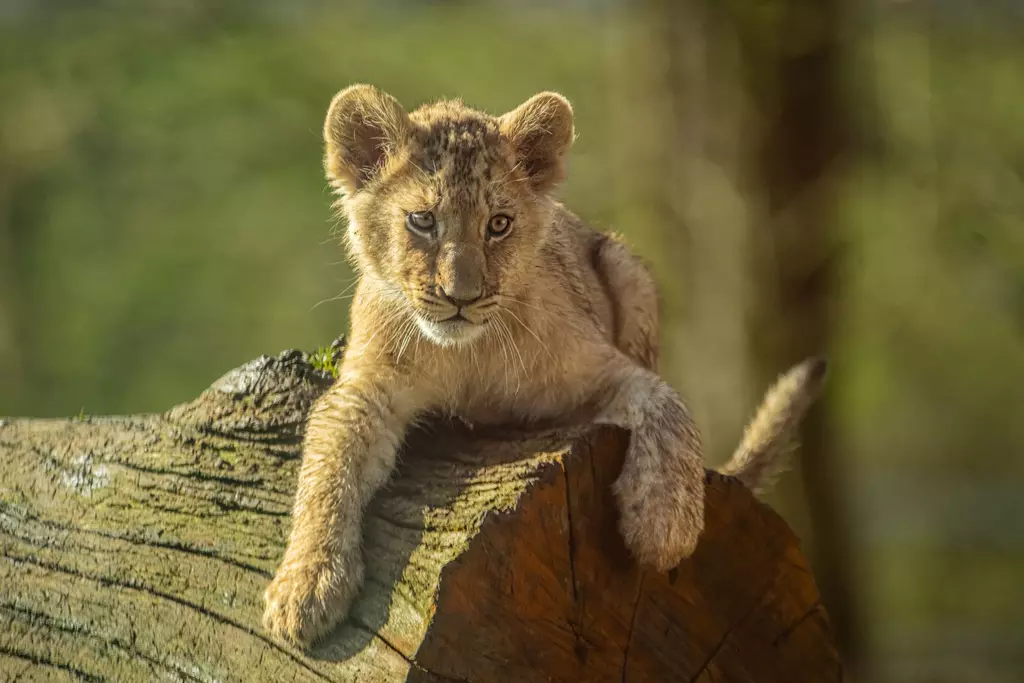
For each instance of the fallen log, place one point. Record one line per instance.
(137, 548)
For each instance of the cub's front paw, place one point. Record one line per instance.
(306, 600)
(661, 506)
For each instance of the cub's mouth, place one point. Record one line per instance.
(454, 330)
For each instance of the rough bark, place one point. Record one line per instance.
(137, 548)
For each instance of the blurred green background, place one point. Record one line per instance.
(830, 176)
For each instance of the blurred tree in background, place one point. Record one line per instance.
(804, 176)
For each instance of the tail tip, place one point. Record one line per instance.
(817, 368)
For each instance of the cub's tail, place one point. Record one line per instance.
(761, 453)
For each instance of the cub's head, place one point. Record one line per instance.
(446, 205)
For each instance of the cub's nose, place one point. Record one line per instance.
(461, 302)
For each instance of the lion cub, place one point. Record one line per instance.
(483, 297)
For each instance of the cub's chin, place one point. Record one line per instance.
(452, 332)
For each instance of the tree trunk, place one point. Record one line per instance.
(138, 548)
(792, 66)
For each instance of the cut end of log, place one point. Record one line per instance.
(135, 548)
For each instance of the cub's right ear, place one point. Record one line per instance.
(541, 133)
(363, 130)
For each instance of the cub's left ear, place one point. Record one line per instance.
(364, 129)
(541, 133)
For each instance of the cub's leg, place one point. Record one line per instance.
(352, 436)
(661, 488)
(634, 299)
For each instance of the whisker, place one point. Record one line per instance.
(512, 343)
(534, 334)
(330, 299)
(484, 308)
(501, 346)
(384, 325)
(544, 312)
(472, 356)
(409, 331)
(341, 295)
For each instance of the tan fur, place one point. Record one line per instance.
(759, 457)
(557, 317)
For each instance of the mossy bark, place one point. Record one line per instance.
(138, 548)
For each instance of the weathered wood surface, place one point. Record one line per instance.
(137, 548)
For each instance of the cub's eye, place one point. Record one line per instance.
(421, 222)
(499, 226)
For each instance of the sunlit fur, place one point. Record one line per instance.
(562, 318)
(454, 162)
(760, 455)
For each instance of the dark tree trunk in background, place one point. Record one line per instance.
(736, 111)
(684, 210)
(791, 55)
(138, 548)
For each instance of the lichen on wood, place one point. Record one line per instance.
(137, 548)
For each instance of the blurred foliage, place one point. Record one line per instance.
(163, 217)
(932, 340)
(164, 213)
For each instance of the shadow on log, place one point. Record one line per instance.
(138, 548)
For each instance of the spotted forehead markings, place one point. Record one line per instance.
(460, 155)
(461, 143)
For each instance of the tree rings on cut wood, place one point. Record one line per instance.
(138, 548)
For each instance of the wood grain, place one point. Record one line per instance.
(137, 548)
